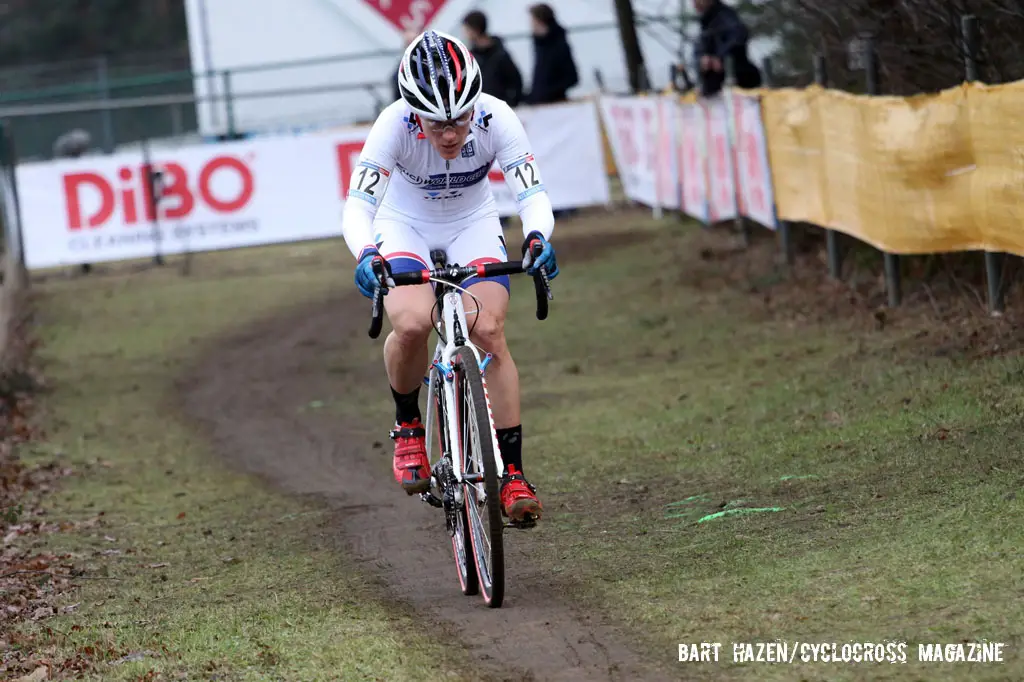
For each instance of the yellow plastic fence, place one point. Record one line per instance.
(924, 174)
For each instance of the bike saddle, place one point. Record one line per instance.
(439, 258)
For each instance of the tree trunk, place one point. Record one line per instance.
(638, 78)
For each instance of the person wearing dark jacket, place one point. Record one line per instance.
(722, 34)
(408, 36)
(554, 69)
(501, 76)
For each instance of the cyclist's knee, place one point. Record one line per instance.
(411, 326)
(489, 332)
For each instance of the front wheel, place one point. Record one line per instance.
(462, 545)
(482, 499)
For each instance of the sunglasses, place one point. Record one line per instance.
(441, 126)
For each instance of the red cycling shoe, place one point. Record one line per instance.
(518, 499)
(411, 466)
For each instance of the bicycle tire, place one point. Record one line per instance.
(469, 581)
(489, 559)
(437, 422)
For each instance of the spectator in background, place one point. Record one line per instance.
(501, 77)
(722, 34)
(554, 69)
(407, 37)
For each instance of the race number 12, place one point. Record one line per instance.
(368, 182)
(527, 175)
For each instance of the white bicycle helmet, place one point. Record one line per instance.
(438, 78)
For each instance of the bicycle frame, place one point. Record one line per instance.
(453, 322)
(446, 469)
(453, 337)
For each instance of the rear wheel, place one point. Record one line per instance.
(482, 501)
(462, 545)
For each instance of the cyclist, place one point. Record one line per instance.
(430, 152)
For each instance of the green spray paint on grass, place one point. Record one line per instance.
(739, 510)
(690, 508)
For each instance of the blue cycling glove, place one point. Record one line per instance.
(546, 257)
(366, 279)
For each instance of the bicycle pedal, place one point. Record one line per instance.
(432, 500)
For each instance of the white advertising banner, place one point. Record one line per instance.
(721, 170)
(756, 199)
(631, 123)
(692, 136)
(666, 157)
(686, 155)
(645, 137)
(248, 193)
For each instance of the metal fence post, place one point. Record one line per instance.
(835, 255)
(730, 82)
(106, 115)
(229, 105)
(892, 261)
(993, 260)
(152, 202)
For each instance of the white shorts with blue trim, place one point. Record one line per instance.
(475, 240)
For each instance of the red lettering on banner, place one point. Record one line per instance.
(757, 195)
(407, 15)
(722, 167)
(753, 162)
(206, 184)
(720, 158)
(72, 181)
(133, 184)
(623, 117)
(651, 131)
(177, 186)
(348, 156)
(753, 183)
(128, 196)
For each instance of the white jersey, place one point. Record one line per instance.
(401, 174)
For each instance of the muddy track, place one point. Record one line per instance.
(245, 393)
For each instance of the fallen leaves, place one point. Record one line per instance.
(39, 674)
(32, 584)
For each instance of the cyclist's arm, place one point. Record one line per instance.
(370, 179)
(522, 175)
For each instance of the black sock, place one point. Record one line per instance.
(510, 443)
(407, 406)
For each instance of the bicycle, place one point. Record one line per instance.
(468, 466)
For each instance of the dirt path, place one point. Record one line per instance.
(246, 392)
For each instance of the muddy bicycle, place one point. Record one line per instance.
(465, 461)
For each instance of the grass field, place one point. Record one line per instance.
(194, 570)
(661, 399)
(888, 464)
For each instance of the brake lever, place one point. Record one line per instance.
(543, 274)
(541, 282)
(377, 312)
(379, 292)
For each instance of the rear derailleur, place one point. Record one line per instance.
(444, 477)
